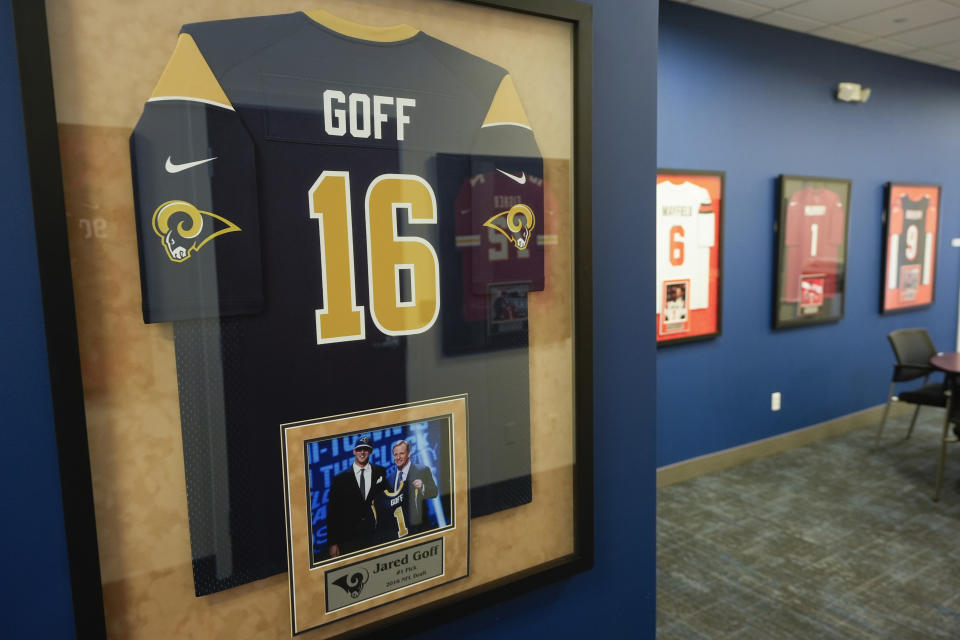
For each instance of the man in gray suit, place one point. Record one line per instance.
(417, 484)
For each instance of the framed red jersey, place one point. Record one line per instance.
(911, 220)
(689, 234)
(811, 250)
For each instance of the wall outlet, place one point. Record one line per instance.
(775, 401)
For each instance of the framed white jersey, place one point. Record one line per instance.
(689, 215)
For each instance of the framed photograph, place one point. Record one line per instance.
(911, 222)
(811, 250)
(377, 508)
(675, 316)
(301, 241)
(508, 308)
(689, 254)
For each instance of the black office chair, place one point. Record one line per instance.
(913, 349)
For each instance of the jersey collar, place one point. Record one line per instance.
(394, 33)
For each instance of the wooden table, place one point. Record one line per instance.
(948, 362)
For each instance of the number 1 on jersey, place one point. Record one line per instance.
(388, 256)
(401, 522)
(340, 319)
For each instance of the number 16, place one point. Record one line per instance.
(388, 254)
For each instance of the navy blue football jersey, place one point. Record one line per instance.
(295, 179)
(392, 512)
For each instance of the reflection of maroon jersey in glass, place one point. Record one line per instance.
(490, 257)
(813, 239)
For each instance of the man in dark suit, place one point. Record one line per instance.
(351, 521)
(417, 484)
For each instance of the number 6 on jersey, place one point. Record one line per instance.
(389, 256)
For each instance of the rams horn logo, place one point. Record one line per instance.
(517, 231)
(180, 226)
(353, 583)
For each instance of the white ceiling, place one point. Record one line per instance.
(924, 30)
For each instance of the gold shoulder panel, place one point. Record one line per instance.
(188, 77)
(506, 107)
(394, 494)
(345, 27)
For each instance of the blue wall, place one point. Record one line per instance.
(618, 594)
(756, 101)
(37, 598)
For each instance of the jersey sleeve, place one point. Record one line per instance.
(195, 197)
(706, 204)
(793, 233)
(706, 229)
(501, 227)
(839, 223)
(893, 261)
(506, 132)
(505, 199)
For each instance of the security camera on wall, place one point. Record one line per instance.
(852, 92)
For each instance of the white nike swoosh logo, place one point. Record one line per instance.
(177, 168)
(521, 180)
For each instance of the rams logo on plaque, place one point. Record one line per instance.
(377, 506)
(352, 582)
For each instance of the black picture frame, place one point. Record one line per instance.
(46, 183)
(896, 294)
(710, 180)
(812, 236)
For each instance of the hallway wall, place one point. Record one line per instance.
(757, 101)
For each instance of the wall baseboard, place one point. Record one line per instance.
(712, 462)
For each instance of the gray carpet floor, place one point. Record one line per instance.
(838, 539)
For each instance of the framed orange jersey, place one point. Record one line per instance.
(689, 235)
(911, 221)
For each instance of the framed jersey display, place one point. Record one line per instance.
(331, 267)
(689, 238)
(811, 250)
(911, 220)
